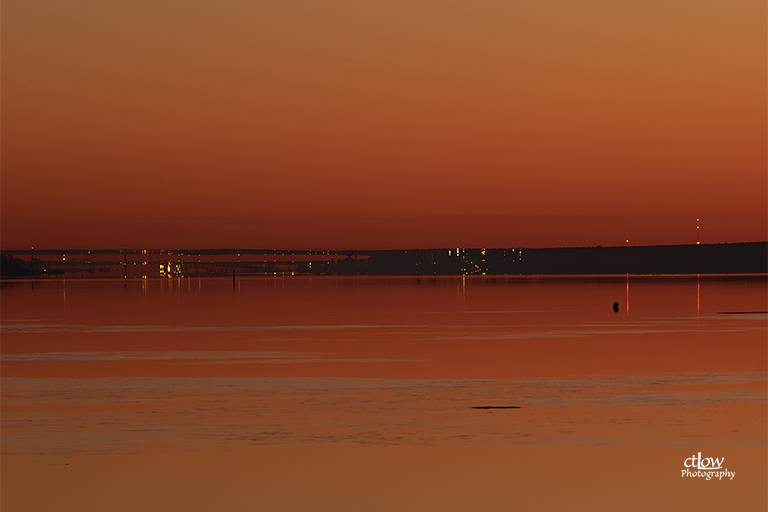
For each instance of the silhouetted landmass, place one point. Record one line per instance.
(13, 267)
(663, 259)
(739, 258)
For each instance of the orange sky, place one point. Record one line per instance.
(301, 124)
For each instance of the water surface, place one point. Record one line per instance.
(264, 372)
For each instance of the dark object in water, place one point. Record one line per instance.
(616, 307)
(496, 407)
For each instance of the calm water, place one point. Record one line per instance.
(100, 374)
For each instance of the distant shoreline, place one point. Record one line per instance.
(735, 258)
(242, 250)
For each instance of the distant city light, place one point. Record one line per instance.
(697, 232)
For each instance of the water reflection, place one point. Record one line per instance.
(122, 415)
(125, 369)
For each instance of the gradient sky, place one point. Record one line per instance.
(392, 124)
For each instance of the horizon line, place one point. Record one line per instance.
(350, 250)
